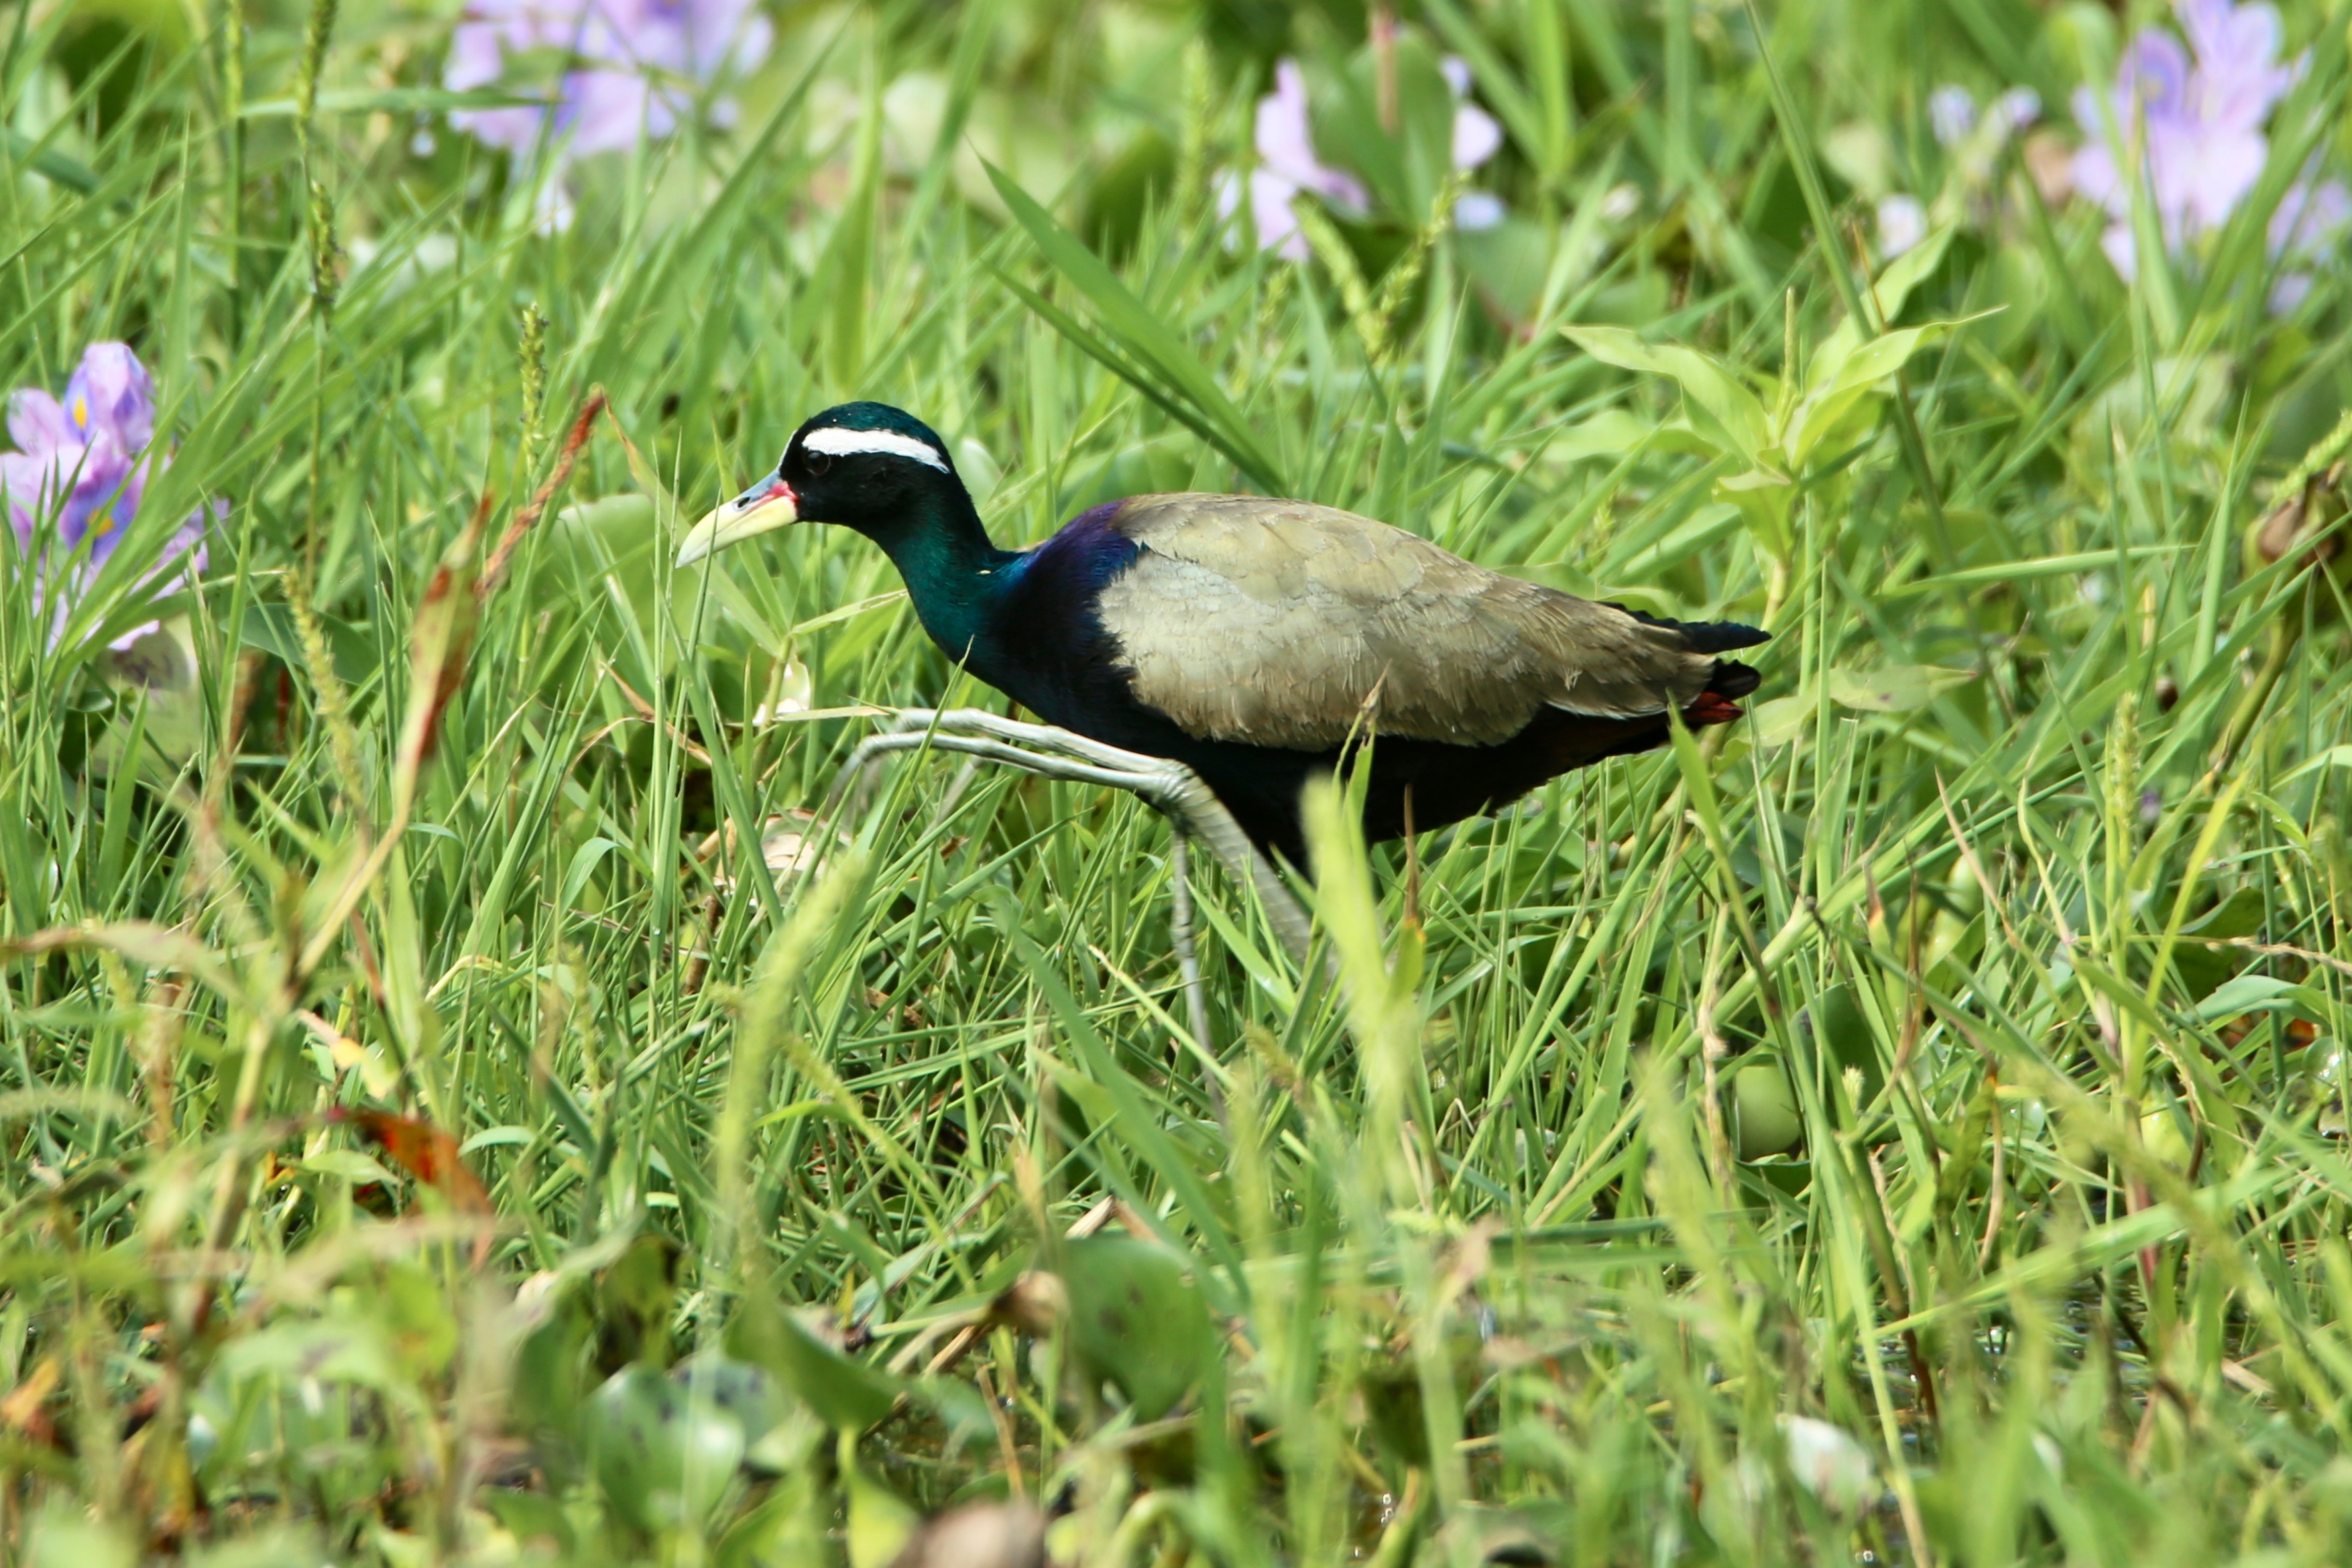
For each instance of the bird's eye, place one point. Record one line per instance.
(818, 462)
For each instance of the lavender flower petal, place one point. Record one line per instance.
(1277, 226)
(111, 391)
(1478, 211)
(1902, 225)
(1477, 136)
(2237, 82)
(636, 66)
(1951, 114)
(2311, 218)
(2017, 108)
(24, 487)
(2289, 292)
(2193, 126)
(37, 423)
(83, 472)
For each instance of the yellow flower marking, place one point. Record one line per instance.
(81, 413)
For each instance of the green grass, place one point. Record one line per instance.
(1950, 1053)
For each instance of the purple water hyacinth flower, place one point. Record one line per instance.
(1286, 165)
(1902, 225)
(636, 66)
(2237, 78)
(2193, 117)
(1289, 166)
(80, 470)
(1477, 136)
(2311, 222)
(1952, 113)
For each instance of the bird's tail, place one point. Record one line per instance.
(1730, 680)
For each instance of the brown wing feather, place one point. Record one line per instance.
(1274, 621)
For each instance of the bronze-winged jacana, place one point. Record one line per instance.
(1252, 638)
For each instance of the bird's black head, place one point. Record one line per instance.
(865, 465)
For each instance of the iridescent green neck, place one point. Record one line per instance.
(942, 548)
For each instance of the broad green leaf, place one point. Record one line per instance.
(663, 1456)
(1612, 432)
(1835, 1021)
(1765, 1110)
(2239, 914)
(348, 1164)
(1892, 287)
(50, 163)
(340, 1349)
(1893, 688)
(1135, 1320)
(1706, 381)
(1763, 498)
(2333, 757)
(846, 1395)
(1839, 385)
(1778, 721)
(2043, 566)
(1881, 357)
(880, 1522)
(2251, 994)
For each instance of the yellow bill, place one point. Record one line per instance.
(770, 504)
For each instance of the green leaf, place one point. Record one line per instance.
(788, 1529)
(2252, 994)
(330, 1350)
(846, 1395)
(1881, 357)
(349, 1165)
(2333, 757)
(1135, 1320)
(1612, 432)
(1840, 381)
(1777, 720)
(1765, 1110)
(50, 163)
(270, 628)
(663, 1457)
(1136, 329)
(1709, 384)
(1893, 688)
(962, 1409)
(2239, 914)
(1839, 1028)
(1893, 287)
(2041, 566)
(879, 1523)
(1764, 498)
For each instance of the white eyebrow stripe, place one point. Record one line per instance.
(837, 441)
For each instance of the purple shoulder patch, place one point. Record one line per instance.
(1085, 552)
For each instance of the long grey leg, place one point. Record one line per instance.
(1172, 787)
(1188, 961)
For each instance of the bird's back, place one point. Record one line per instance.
(1286, 624)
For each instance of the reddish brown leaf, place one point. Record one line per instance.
(495, 570)
(427, 1153)
(26, 1411)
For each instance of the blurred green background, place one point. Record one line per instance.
(468, 1103)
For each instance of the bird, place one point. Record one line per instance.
(1257, 641)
